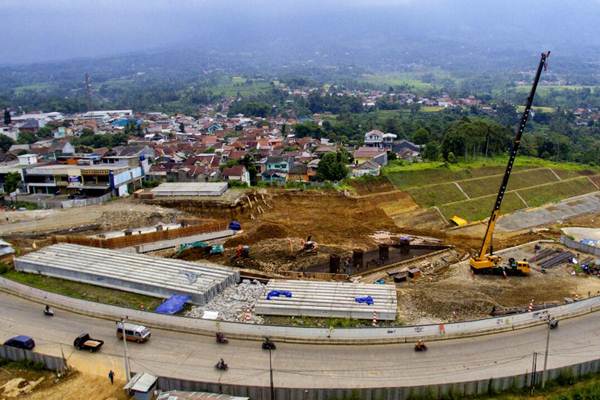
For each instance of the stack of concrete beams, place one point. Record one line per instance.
(329, 300)
(190, 189)
(152, 276)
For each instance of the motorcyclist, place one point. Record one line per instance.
(221, 364)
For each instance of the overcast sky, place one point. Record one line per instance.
(46, 30)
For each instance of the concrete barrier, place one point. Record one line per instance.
(401, 334)
(50, 362)
(489, 386)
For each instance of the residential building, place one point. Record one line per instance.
(237, 173)
(374, 138)
(375, 154)
(366, 168)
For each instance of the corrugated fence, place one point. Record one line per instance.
(446, 390)
(579, 246)
(50, 362)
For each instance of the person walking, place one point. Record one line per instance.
(111, 376)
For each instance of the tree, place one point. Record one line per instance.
(27, 138)
(7, 118)
(431, 152)
(421, 136)
(5, 142)
(11, 182)
(451, 158)
(332, 167)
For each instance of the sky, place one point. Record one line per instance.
(48, 30)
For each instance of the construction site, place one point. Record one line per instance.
(413, 246)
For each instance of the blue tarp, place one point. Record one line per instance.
(277, 293)
(367, 299)
(235, 226)
(173, 304)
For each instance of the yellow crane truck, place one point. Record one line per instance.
(489, 263)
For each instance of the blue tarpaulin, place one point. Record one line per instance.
(173, 304)
(277, 293)
(235, 226)
(367, 299)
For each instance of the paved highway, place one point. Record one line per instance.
(190, 356)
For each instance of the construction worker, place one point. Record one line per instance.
(111, 377)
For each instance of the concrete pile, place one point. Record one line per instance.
(235, 304)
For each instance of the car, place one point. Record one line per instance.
(21, 342)
(134, 333)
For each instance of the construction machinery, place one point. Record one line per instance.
(491, 263)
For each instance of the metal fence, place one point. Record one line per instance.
(52, 363)
(435, 391)
(585, 248)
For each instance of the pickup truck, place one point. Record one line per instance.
(85, 342)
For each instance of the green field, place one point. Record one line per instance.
(539, 196)
(397, 79)
(539, 109)
(435, 195)
(84, 291)
(34, 87)
(432, 184)
(477, 209)
(519, 179)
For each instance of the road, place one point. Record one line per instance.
(190, 356)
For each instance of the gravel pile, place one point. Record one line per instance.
(236, 303)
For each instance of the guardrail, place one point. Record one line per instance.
(399, 334)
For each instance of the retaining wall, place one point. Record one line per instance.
(447, 390)
(399, 334)
(50, 362)
(579, 246)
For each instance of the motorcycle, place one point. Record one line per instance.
(48, 312)
(268, 345)
(221, 339)
(420, 346)
(221, 365)
(553, 323)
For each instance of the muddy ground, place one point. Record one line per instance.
(26, 384)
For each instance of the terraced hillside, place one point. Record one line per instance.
(469, 192)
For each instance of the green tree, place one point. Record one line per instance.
(421, 136)
(7, 118)
(431, 152)
(27, 138)
(5, 142)
(11, 182)
(332, 167)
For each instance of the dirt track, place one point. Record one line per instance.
(116, 214)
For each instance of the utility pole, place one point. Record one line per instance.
(546, 352)
(271, 376)
(533, 372)
(125, 356)
(88, 92)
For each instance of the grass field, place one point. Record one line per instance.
(519, 179)
(435, 195)
(477, 209)
(539, 196)
(431, 184)
(398, 79)
(539, 109)
(84, 291)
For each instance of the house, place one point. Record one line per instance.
(277, 163)
(237, 173)
(374, 138)
(388, 139)
(298, 173)
(406, 150)
(142, 386)
(274, 177)
(363, 154)
(366, 168)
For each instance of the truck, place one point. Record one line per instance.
(85, 342)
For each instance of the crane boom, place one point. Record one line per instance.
(482, 260)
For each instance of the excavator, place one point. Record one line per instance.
(491, 263)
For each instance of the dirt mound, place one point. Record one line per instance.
(257, 233)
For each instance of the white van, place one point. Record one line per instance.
(134, 333)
